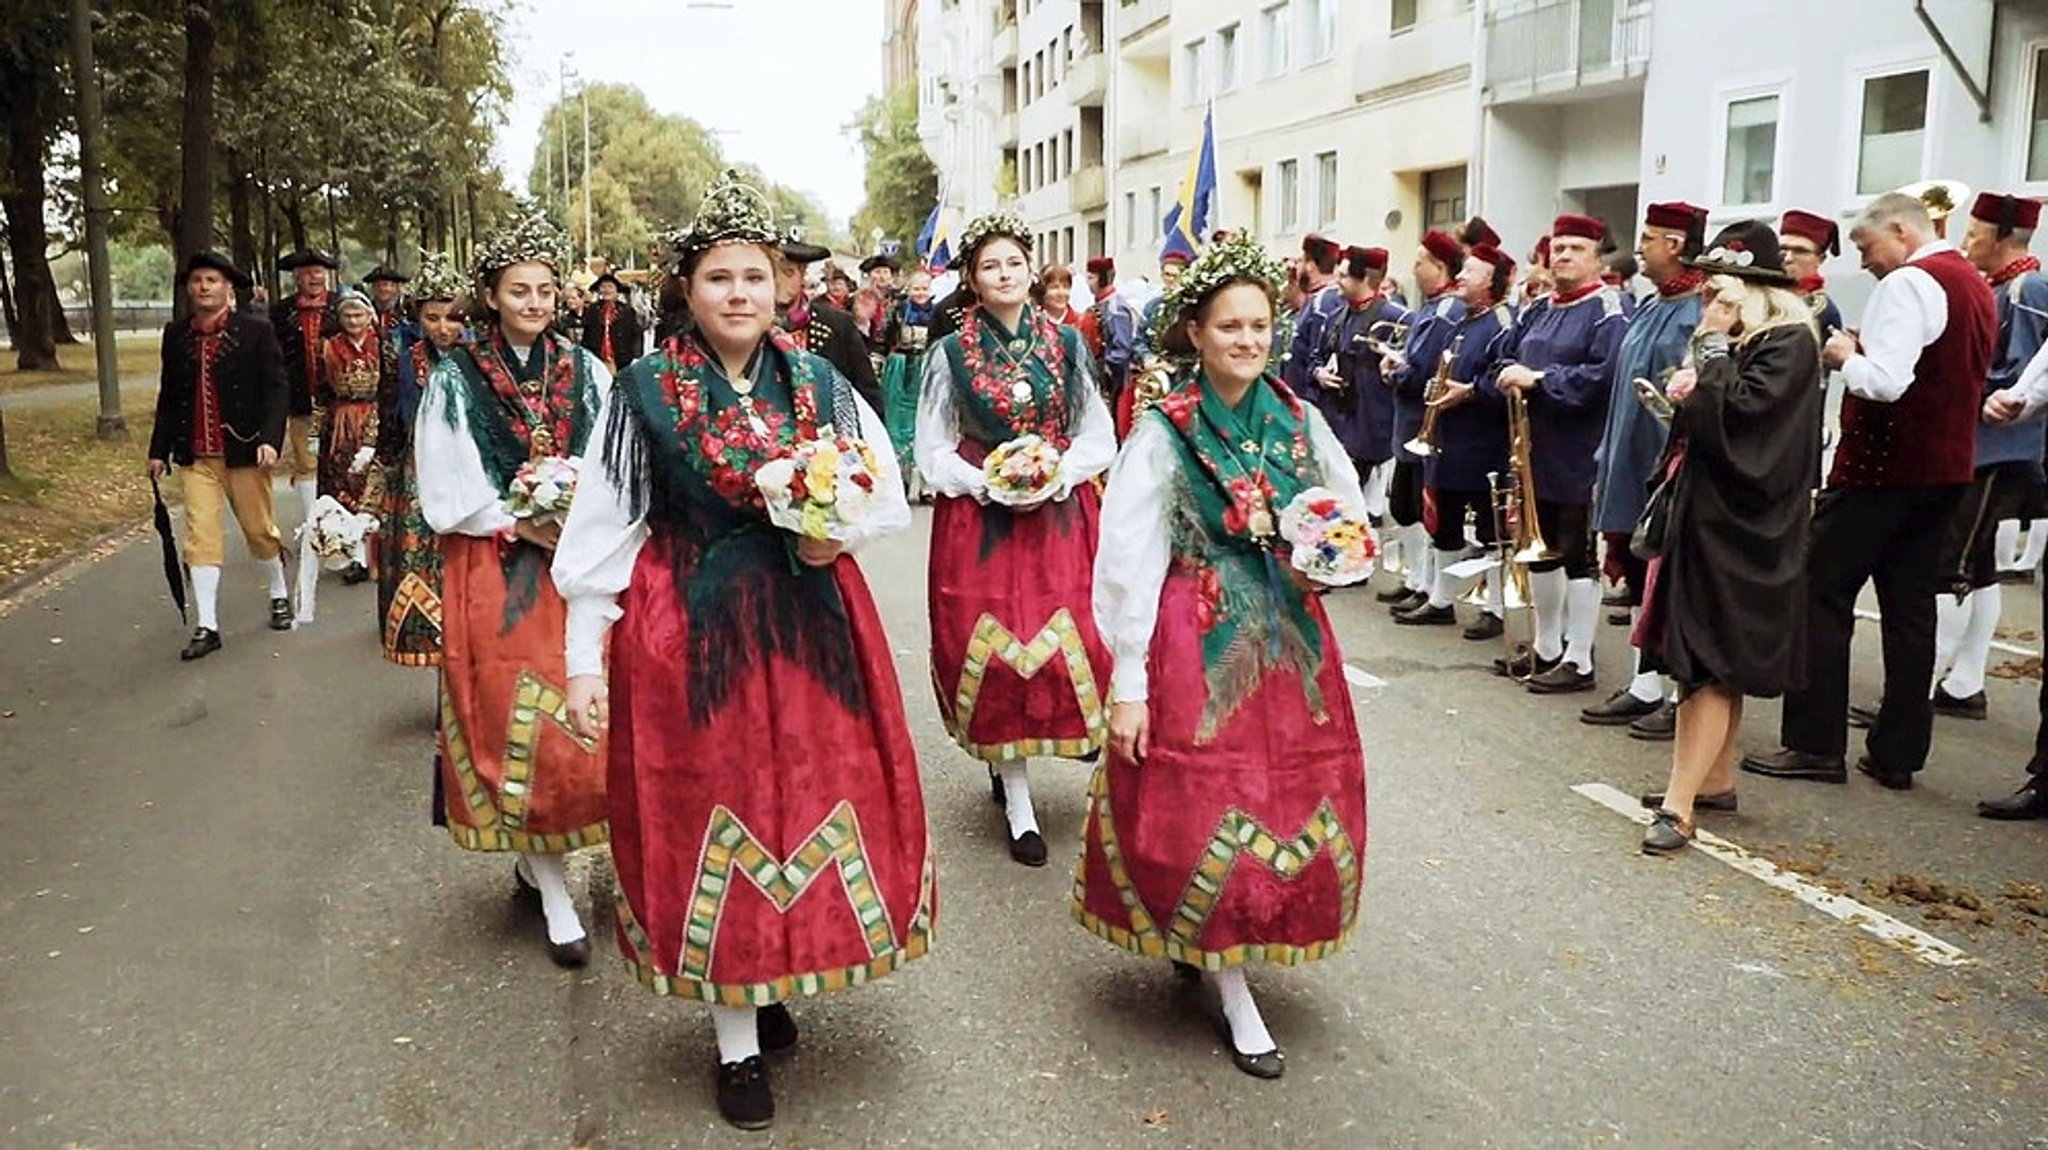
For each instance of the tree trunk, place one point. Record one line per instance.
(60, 324)
(333, 227)
(391, 230)
(34, 327)
(195, 207)
(294, 210)
(241, 214)
(6, 472)
(469, 248)
(7, 311)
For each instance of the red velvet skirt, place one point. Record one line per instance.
(1249, 847)
(769, 838)
(1017, 665)
(347, 428)
(514, 777)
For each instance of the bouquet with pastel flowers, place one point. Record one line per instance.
(542, 489)
(1024, 472)
(1332, 542)
(821, 488)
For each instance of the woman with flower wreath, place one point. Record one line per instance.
(1226, 826)
(512, 776)
(408, 553)
(767, 820)
(1016, 661)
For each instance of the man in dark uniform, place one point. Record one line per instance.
(820, 327)
(611, 328)
(1344, 378)
(302, 323)
(1410, 370)
(220, 417)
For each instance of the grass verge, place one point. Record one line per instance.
(68, 486)
(135, 354)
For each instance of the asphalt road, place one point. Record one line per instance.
(226, 922)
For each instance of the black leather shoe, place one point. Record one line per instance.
(995, 787)
(1785, 763)
(1863, 716)
(1724, 802)
(1659, 726)
(1563, 679)
(1269, 1065)
(1619, 597)
(1889, 780)
(1523, 664)
(280, 614)
(2029, 802)
(1412, 601)
(745, 1098)
(776, 1026)
(1974, 707)
(1617, 710)
(355, 573)
(570, 955)
(1394, 596)
(1485, 627)
(1428, 615)
(205, 641)
(1667, 834)
(1028, 848)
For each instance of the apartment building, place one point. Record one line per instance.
(899, 44)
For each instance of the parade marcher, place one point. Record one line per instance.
(1725, 600)
(302, 324)
(1807, 240)
(386, 285)
(2025, 400)
(1659, 335)
(1915, 381)
(221, 407)
(1537, 281)
(2008, 480)
(1016, 662)
(408, 552)
(880, 270)
(1344, 380)
(1560, 357)
(839, 286)
(611, 328)
(1054, 294)
(1171, 265)
(758, 743)
(354, 364)
(907, 336)
(817, 325)
(1321, 303)
(1110, 328)
(1472, 443)
(508, 778)
(1227, 824)
(1431, 328)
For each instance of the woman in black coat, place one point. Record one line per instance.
(1724, 614)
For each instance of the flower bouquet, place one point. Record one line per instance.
(542, 489)
(1024, 472)
(821, 488)
(335, 535)
(1332, 544)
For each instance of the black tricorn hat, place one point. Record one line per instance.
(1745, 249)
(307, 257)
(218, 262)
(614, 280)
(799, 252)
(386, 273)
(877, 260)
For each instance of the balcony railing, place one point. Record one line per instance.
(1088, 188)
(1553, 46)
(1142, 137)
(1087, 82)
(1005, 46)
(1136, 16)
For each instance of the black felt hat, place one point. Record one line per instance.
(877, 260)
(612, 279)
(386, 273)
(307, 257)
(218, 262)
(799, 252)
(1746, 249)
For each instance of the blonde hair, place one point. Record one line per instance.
(1762, 306)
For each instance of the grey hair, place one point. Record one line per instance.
(1895, 208)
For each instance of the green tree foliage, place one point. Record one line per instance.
(902, 184)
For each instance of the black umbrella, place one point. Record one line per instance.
(174, 568)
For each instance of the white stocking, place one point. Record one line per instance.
(739, 1033)
(309, 494)
(1421, 568)
(1646, 686)
(553, 880)
(1546, 598)
(2006, 550)
(206, 596)
(1966, 674)
(273, 575)
(1247, 1029)
(1376, 490)
(1444, 587)
(2037, 544)
(1951, 619)
(1017, 797)
(1496, 593)
(1581, 622)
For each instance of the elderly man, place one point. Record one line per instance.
(1915, 381)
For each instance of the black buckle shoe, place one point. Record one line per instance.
(1268, 1065)
(1786, 763)
(2029, 802)
(1028, 848)
(745, 1098)
(1667, 834)
(1428, 615)
(1974, 707)
(1659, 726)
(1617, 710)
(1562, 679)
(570, 955)
(280, 614)
(1524, 664)
(1487, 626)
(1888, 779)
(205, 641)
(776, 1026)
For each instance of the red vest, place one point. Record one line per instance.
(1929, 437)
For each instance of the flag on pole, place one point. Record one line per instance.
(1188, 220)
(933, 246)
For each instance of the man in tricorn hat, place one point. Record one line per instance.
(220, 418)
(819, 327)
(302, 323)
(611, 328)
(880, 269)
(387, 297)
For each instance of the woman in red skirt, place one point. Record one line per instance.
(513, 776)
(354, 362)
(1016, 662)
(767, 821)
(1227, 824)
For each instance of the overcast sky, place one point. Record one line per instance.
(776, 78)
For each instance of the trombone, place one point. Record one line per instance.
(1505, 500)
(1530, 546)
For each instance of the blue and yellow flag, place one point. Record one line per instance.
(933, 246)
(1188, 220)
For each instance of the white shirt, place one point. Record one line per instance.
(1907, 312)
(2032, 387)
(602, 540)
(1136, 546)
(937, 441)
(457, 496)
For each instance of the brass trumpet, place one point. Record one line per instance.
(1653, 400)
(1530, 546)
(1153, 382)
(1387, 337)
(1424, 443)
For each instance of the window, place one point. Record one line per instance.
(1443, 199)
(1288, 182)
(1157, 216)
(1131, 232)
(1326, 190)
(2037, 120)
(1893, 140)
(1227, 58)
(1025, 72)
(1320, 26)
(1194, 72)
(1273, 39)
(1067, 149)
(1067, 248)
(1404, 15)
(1750, 166)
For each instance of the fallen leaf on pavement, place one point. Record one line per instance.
(1156, 1119)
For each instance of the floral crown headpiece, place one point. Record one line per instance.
(528, 236)
(733, 212)
(1235, 258)
(438, 278)
(1005, 223)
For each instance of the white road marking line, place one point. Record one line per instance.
(1996, 644)
(1363, 679)
(1911, 939)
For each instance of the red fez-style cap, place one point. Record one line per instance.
(1444, 247)
(1488, 254)
(1366, 259)
(1578, 227)
(2007, 212)
(1101, 266)
(1819, 231)
(1477, 231)
(1175, 256)
(1677, 215)
(1319, 248)
(1541, 253)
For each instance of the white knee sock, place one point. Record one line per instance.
(1951, 619)
(552, 878)
(1547, 598)
(206, 596)
(273, 574)
(2037, 544)
(1247, 1029)
(1421, 568)
(2006, 549)
(1496, 594)
(1581, 622)
(1646, 686)
(1376, 490)
(1444, 587)
(1966, 674)
(1017, 797)
(309, 494)
(739, 1032)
